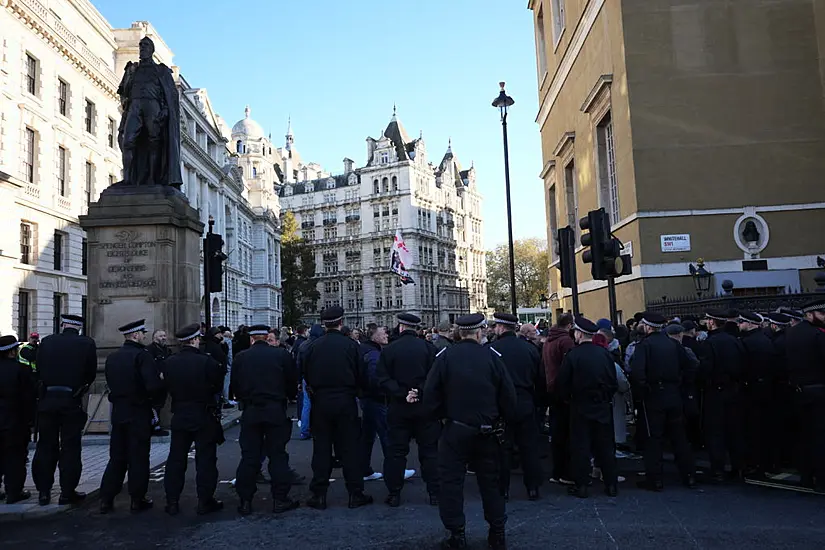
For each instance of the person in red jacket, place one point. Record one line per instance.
(558, 344)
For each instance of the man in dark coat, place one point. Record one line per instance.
(587, 380)
(66, 365)
(660, 370)
(263, 376)
(194, 380)
(470, 390)
(521, 357)
(17, 410)
(558, 345)
(403, 366)
(135, 387)
(160, 351)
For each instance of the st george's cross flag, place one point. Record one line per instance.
(400, 258)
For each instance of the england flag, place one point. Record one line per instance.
(400, 259)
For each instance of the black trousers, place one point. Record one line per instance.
(129, 446)
(760, 428)
(59, 443)
(206, 463)
(810, 414)
(724, 428)
(524, 434)
(590, 436)
(269, 439)
(560, 445)
(666, 421)
(457, 447)
(13, 452)
(404, 424)
(336, 424)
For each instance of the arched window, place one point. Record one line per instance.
(394, 183)
(239, 146)
(375, 186)
(385, 185)
(254, 172)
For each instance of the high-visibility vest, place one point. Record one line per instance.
(31, 364)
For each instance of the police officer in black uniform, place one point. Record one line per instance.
(761, 372)
(17, 410)
(587, 379)
(783, 394)
(805, 348)
(470, 389)
(721, 371)
(403, 366)
(67, 365)
(524, 366)
(135, 386)
(660, 373)
(335, 373)
(263, 377)
(194, 380)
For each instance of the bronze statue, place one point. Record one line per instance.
(149, 132)
(750, 232)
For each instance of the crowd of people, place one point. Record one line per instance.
(747, 387)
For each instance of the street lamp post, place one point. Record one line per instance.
(701, 277)
(504, 102)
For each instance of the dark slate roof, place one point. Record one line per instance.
(398, 135)
(319, 184)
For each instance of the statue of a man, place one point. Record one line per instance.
(149, 133)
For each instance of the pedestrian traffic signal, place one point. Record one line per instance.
(567, 256)
(604, 251)
(213, 261)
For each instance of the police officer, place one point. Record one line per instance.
(334, 371)
(470, 389)
(783, 394)
(523, 363)
(721, 370)
(805, 348)
(67, 365)
(27, 353)
(660, 371)
(587, 379)
(193, 380)
(262, 377)
(403, 366)
(135, 386)
(17, 410)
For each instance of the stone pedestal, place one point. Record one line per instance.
(143, 261)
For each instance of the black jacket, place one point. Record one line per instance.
(761, 361)
(805, 353)
(17, 396)
(193, 379)
(523, 362)
(213, 348)
(263, 377)
(721, 360)
(469, 383)
(403, 365)
(371, 352)
(587, 379)
(660, 370)
(66, 359)
(134, 383)
(334, 369)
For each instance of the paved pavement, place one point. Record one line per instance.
(728, 516)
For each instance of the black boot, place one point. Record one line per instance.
(533, 494)
(318, 501)
(245, 507)
(106, 506)
(611, 490)
(457, 539)
(358, 499)
(279, 506)
(141, 504)
(172, 507)
(209, 505)
(393, 500)
(433, 499)
(577, 491)
(19, 497)
(2, 495)
(71, 498)
(44, 498)
(496, 539)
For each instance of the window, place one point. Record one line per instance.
(90, 169)
(553, 219)
(375, 186)
(23, 304)
(62, 97)
(26, 242)
(62, 188)
(385, 185)
(570, 198)
(84, 306)
(89, 119)
(239, 146)
(384, 157)
(558, 20)
(112, 179)
(608, 186)
(84, 257)
(31, 74)
(29, 143)
(110, 137)
(394, 183)
(57, 306)
(58, 251)
(541, 44)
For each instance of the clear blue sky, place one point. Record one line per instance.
(338, 67)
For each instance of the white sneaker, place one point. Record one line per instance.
(374, 476)
(232, 483)
(562, 481)
(408, 474)
(233, 403)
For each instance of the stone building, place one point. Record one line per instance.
(60, 67)
(699, 126)
(350, 220)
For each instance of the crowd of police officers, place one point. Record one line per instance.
(467, 406)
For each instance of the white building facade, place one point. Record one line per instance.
(350, 220)
(60, 67)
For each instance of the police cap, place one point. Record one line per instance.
(8, 342)
(471, 321)
(408, 319)
(816, 305)
(134, 326)
(189, 332)
(258, 330)
(507, 319)
(716, 314)
(332, 315)
(792, 313)
(75, 320)
(751, 317)
(779, 319)
(585, 325)
(653, 319)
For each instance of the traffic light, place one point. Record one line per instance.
(213, 261)
(567, 256)
(605, 251)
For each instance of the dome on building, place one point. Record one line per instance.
(248, 127)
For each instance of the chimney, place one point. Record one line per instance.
(348, 165)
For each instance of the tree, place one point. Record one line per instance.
(297, 272)
(532, 274)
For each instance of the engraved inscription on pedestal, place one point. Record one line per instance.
(128, 259)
